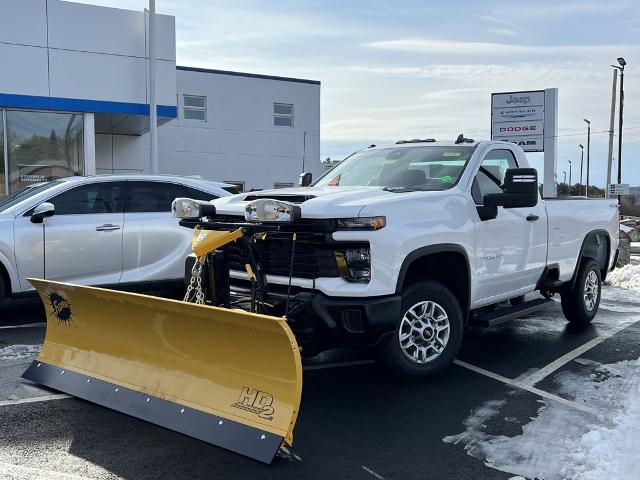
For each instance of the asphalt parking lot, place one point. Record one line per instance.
(473, 422)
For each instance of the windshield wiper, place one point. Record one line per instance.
(401, 189)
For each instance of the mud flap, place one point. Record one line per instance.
(228, 377)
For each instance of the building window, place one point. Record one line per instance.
(194, 107)
(283, 114)
(282, 185)
(238, 184)
(43, 146)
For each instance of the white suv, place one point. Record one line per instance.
(102, 230)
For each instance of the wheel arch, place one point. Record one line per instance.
(4, 274)
(442, 263)
(597, 246)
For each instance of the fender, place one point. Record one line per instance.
(14, 283)
(592, 234)
(430, 250)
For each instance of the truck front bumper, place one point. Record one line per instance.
(320, 322)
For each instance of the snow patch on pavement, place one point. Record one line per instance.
(566, 443)
(627, 277)
(18, 352)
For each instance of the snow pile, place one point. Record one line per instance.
(626, 277)
(18, 352)
(565, 443)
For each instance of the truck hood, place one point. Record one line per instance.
(315, 202)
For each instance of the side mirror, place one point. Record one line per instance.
(520, 190)
(305, 179)
(42, 211)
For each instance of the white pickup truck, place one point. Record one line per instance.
(401, 246)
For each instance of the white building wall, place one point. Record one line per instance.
(238, 141)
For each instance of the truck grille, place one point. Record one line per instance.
(314, 257)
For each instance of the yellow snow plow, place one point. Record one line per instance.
(227, 376)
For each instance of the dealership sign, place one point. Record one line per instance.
(518, 117)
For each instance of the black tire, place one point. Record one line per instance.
(3, 291)
(393, 355)
(577, 305)
(516, 300)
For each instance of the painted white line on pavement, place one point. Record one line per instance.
(338, 364)
(530, 389)
(544, 372)
(371, 472)
(37, 473)
(26, 325)
(44, 398)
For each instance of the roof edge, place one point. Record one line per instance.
(244, 74)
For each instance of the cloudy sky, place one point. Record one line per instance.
(415, 68)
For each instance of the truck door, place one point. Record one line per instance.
(510, 249)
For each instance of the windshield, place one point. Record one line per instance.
(16, 197)
(416, 168)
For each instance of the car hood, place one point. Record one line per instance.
(315, 202)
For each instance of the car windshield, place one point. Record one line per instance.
(415, 168)
(16, 197)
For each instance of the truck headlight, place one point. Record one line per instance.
(267, 210)
(354, 264)
(361, 223)
(187, 208)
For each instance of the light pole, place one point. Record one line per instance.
(588, 148)
(581, 161)
(569, 174)
(622, 63)
(565, 177)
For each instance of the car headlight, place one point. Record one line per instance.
(267, 210)
(354, 264)
(361, 223)
(187, 208)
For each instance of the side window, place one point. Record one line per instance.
(490, 177)
(196, 194)
(152, 196)
(104, 197)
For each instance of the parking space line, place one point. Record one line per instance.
(530, 389)
(547, 370)
(371, 472)
(26, 325)
(44, 398)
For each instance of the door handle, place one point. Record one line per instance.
(532, 218)
(107, 227)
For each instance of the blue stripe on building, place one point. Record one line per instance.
(83, 105)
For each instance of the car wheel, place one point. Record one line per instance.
(580, 304)
(428, 334)
(3, 291)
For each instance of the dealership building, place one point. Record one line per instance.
(74, 100)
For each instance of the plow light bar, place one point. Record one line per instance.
(267, 210)
(187, 208)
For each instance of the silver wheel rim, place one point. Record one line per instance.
(591, 291)
(424, 332)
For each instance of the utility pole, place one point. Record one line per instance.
(581, 162)
(611, 127)
(588, 149)
(569, 175)
(153, 106)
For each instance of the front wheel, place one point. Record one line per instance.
(428, 334)
(580, 304)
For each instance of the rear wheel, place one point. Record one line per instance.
(580, 304)
(428, 335)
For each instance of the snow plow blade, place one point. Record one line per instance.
(227, 377)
